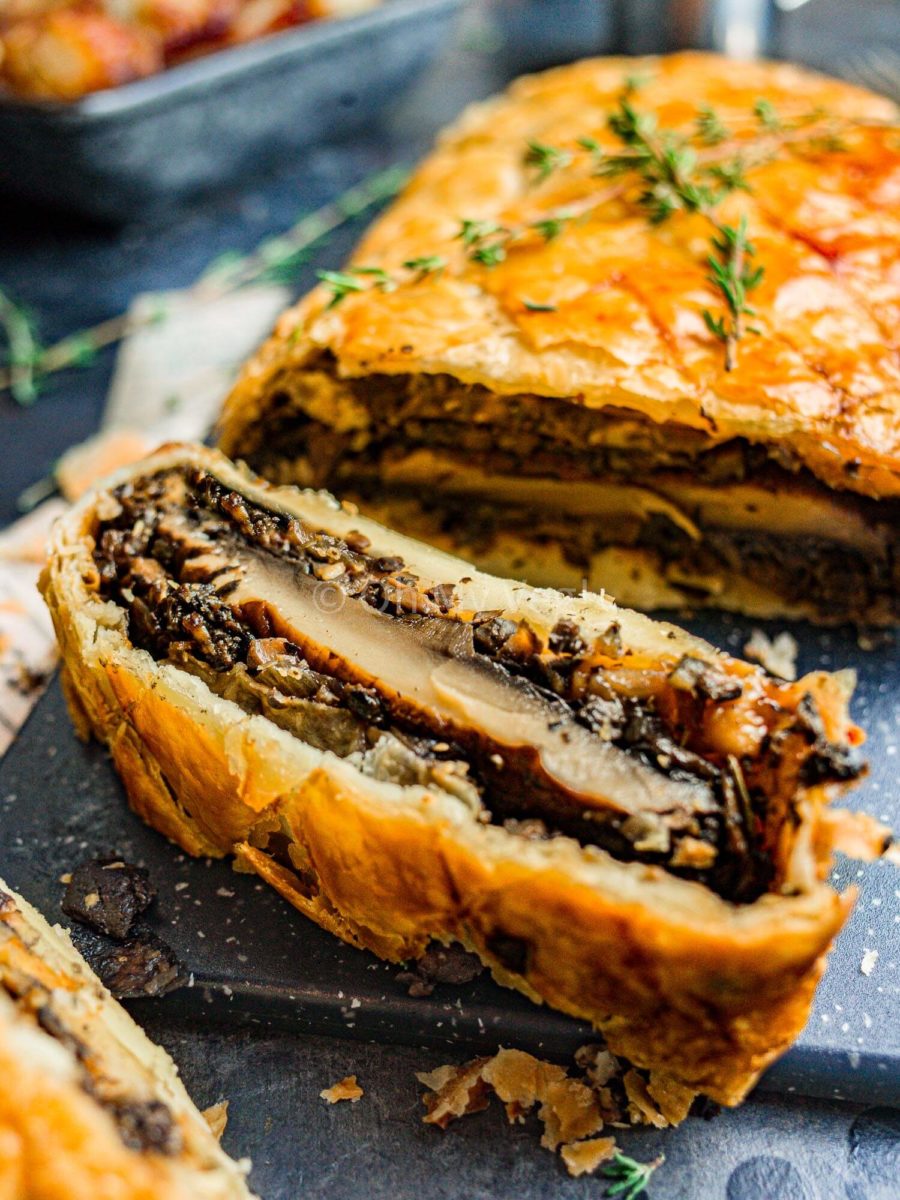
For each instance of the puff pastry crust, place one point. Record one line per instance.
(586, 358)
(675, 976)
(90, 1109)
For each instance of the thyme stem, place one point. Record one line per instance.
(29, 361)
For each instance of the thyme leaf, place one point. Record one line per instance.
(485, 241)
(674, 182)
(710, 130)
(427, 264)
(340, 284)
(381, 279)
(544, 159)
(551, 227)
(533, 306)
(765, 113)
(628, 1178)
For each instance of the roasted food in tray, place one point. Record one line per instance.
(65, 49)
(620, 820)
(633, 324)
(89, 1107)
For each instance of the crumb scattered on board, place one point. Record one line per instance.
(778, 655)
(869, 959)
(216, 1117)
(344, 1089)
(583, 1158)
(572, 1109)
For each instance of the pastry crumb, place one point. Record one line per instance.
(345, 1089)
(778, 656)
(869, 959)
(571, 1108)
(583, 1158)
(216, 1117)
(455, 1092)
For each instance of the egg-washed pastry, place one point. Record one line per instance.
(620, 820)
(90, 1108)
(632, 326)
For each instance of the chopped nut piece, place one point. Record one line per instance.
(598, 1064)
(143, 966)
(583, 1158)
(108, 895)
(327, 571)
(778, 657)
(216, 1117)
(694, 853)
(344, 1089)
(869, 959)
(701, 679)
(441, 964)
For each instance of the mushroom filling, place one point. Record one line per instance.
(478, 465)
(688, 764)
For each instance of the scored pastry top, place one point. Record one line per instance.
(548, 246)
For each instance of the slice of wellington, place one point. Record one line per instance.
(620, 820)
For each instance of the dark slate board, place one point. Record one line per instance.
(252, 958)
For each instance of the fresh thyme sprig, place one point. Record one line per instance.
(673, 181)
(628, 1178)
(733, 274)
(23, 348)
(673, 177)
(487, 242)
(29, 361)
(363, 279)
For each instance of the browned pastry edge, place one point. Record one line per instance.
(674, 977)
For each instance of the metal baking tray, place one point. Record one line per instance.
(198, 126)
(252, 958)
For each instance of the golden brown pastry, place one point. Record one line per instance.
(556, 354)
(90, 1108)
(620, 820)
